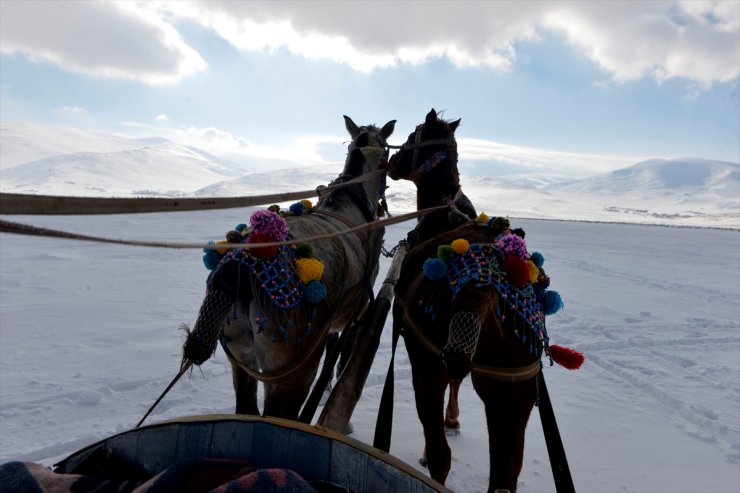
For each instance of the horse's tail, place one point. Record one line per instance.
(225, 285)
(201, 341)
(473, 309)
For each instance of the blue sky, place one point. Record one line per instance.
(573, 88)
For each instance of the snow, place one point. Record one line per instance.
(89, 332)
(90, 338)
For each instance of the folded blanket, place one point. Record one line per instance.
(190, 476)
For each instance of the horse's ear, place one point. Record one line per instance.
(431, 117)
(353, 129)
(387, 129)
(455, 124)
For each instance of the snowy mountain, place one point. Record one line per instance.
(162, 169)
(684, 191)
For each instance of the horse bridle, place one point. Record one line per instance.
(431, 162)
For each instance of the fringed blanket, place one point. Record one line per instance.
(191, 476)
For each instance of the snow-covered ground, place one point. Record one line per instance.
(89, 338)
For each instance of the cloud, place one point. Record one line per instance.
(307, 149)
(629, 40)
(692, 40)
(106, 39)
(73, 109)
(161, 118)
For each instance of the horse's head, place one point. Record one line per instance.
(368, 150)
(429, 149)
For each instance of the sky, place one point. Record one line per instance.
(569, 88)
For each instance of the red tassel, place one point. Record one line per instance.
(566, 357)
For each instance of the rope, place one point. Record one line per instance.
(30, 230)
(25, 204)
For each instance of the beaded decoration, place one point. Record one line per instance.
(281, 276)
(517, 276)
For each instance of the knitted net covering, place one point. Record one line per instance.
(201, 342)
(464, 333)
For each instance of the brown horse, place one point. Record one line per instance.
(461, 305)
(272, 309)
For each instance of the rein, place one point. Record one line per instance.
(517, 374)
(26, 204)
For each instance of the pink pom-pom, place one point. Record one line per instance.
(270, 224)
(566, 357)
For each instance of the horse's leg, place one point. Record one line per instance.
(245, 388)
(508, 406)
(429, 378)
(452, 412)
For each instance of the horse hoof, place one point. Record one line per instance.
(423, 461)
(452, 432)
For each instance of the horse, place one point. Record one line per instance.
(460, 306)
(272, 308)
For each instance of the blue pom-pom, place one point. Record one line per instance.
(435, 269)
(240, 227)
(538, 259)
(297, 209)
(551, 302)
(315, 292)
(211, 259)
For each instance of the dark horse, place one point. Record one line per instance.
(461, 304)
(272, 308)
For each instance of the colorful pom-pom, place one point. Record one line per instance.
(513, 245)
(240, 227)
(534, 272)
(296, 209)
(222, 251)
(516, 270)
(304, 250)
(270, 224)
(306, 204)
(543, 281)
(460, 246)
(566, 357)
(309, 269)
(482, 218)
(498, 225)
(211, 259)
(315, 292)
(538, 259)
(551, 302)
(267, 252)
(445, 253)
(454, 217)
(274, 208)
(435, 269)
(234, 236)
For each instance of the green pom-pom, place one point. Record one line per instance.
(274, 208)
(455, 218)
(445, 253)
(498, 225)
(304, 250)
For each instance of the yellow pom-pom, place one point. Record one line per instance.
(306, 203)
(460, 246)
(534, 272)
(482, 218)
(309, 269)
(222, 251)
